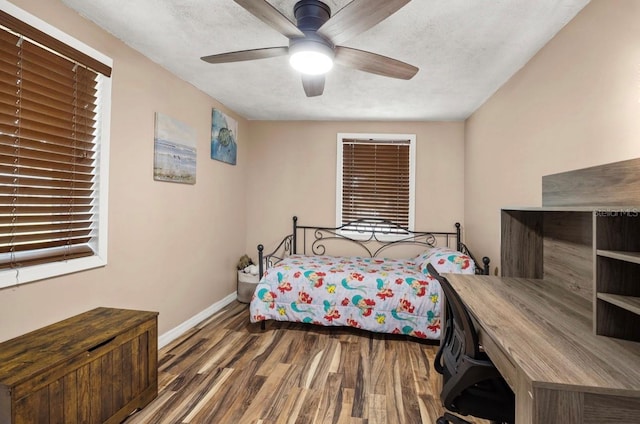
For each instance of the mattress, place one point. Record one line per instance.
(396, 296)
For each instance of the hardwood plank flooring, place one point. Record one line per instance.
(227, 370)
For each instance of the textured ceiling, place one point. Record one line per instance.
(465, 49)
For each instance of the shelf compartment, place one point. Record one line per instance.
(629, 303)
(617, 276)
(618, 232)
(633, 257)
(614, 321)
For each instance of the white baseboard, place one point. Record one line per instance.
(178, 331)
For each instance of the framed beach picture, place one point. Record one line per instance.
(224, 132)
(174, 151)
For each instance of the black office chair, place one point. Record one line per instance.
(472, 385)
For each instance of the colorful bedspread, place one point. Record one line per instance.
(381, 295)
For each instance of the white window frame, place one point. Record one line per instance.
(12, 277)
(377, 137)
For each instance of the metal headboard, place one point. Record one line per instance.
(371, 235)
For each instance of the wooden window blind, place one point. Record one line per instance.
(48, 125)
(376, 180)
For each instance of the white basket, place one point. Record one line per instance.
(246, 286)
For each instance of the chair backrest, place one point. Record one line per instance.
(460, 334)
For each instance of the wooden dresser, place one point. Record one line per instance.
(96, 367)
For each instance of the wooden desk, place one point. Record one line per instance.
(541, 338)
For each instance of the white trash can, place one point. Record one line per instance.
(246, 286)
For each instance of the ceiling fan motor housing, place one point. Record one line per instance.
(311, 14)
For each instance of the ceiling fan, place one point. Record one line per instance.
(313, 41)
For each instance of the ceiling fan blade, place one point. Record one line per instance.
(246, 55)
(268, 14)
(313, 85)
(374, 63)
(357, 17)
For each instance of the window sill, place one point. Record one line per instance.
(15, 277)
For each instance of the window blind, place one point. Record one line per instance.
(375, 181)
(48, 109)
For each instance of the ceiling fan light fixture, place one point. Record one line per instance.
(311, 58)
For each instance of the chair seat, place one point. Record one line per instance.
(492, 400)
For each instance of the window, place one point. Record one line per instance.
(54, 119)
(376, 178)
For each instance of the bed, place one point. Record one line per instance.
(373, 290)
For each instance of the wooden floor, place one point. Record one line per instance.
(227, 370)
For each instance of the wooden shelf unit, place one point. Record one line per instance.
(617, 282)
(593, 252)
(96, 367)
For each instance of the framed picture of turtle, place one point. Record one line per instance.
(224, 133)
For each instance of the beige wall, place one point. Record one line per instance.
(575, 104)
(172, 247)
(292, 171)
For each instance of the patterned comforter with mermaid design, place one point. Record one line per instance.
(396, 296)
